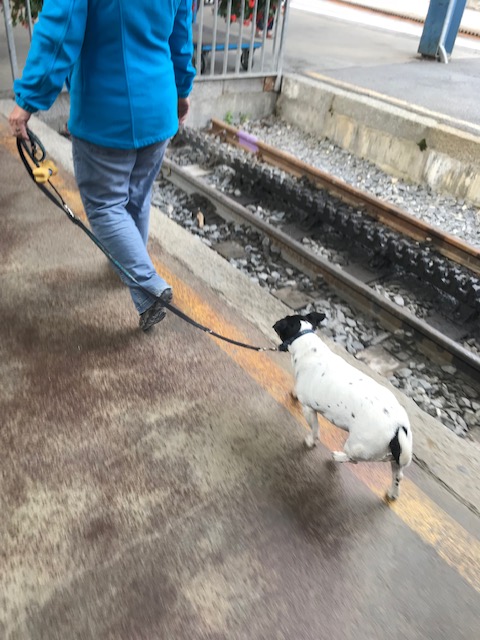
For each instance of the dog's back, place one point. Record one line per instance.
(347, 397)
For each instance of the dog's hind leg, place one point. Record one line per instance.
(311, 418)
(397, 475)
(349, 453)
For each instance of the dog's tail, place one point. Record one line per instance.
(401, 446)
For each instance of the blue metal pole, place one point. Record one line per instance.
(442, 53)
(441, 27)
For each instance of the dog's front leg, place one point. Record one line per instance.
(311, 418)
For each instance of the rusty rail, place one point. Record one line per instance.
(388, 214)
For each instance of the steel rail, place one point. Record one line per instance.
(430, 341)
(388, 214)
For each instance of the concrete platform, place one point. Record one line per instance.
(157, 486)
(369, 91)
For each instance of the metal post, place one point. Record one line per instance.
(446, 25)
(281, 50)
(214, 41)
(227, 37)
(10, 38)
(240, 38)
(278, 15)
(199, 56)
(266, 16)
(252, 37)
(29, 17)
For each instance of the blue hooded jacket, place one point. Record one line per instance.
(126, 63)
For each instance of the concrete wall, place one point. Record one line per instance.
(253, 98)
(416, 145)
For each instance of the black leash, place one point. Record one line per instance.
(34, 152)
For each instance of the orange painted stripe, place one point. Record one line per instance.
(454, 545)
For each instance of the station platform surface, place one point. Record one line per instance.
(157, 486)
(371, 52)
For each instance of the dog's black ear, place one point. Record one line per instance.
(280, 326)
(315, 318)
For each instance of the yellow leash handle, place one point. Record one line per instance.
(45, 171)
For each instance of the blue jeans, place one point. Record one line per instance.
(115, 186)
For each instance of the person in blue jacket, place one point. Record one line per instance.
(128, 67)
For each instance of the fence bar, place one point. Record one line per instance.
(29, 17)
(227, 37)
(276, 37)
(10, 39)
(240, 38)
(252, 37)
(214, 40)
(266, 20)
(281, 49)
(199, 18)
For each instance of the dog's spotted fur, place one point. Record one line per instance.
(378, 426)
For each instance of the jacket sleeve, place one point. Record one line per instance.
(56, 44)
(181, 47)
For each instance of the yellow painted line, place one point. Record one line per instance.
(454, 545)
(370, 93)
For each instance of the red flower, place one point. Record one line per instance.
(251, 4)
(233, 18)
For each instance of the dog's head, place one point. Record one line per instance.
(290, 326)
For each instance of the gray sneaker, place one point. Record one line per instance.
(156, 312)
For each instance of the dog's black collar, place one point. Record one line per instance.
(284, 346)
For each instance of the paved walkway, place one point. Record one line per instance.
(376, 53)
(156, 486)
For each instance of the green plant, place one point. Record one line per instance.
(422, 145)
(244, 118)
(19, 10)
(229, 117)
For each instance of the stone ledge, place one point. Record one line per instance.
(416, 145)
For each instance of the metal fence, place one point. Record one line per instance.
(231, 37)
(238, 37)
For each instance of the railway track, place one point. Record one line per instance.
(459, 263)
(386, 213)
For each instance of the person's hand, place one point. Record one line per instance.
(183, 109)
(18, 122)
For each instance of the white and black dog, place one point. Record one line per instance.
(378, 426)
